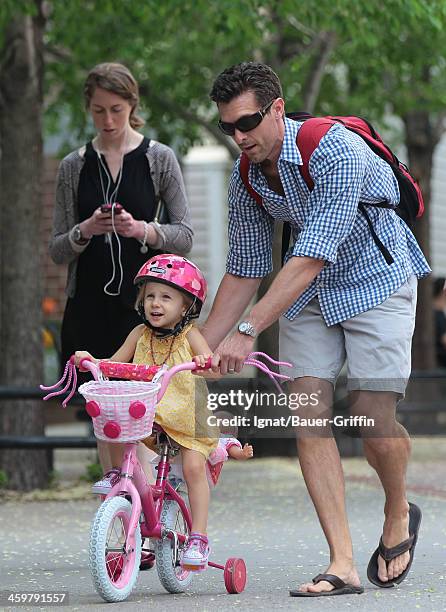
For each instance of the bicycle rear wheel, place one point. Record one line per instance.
(113, 569)
(172, 576)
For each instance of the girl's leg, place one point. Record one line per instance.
(116, 455)
(194, 470)
(110, 456)
(145, 455)
(104, 456)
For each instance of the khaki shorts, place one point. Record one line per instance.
(376, 343)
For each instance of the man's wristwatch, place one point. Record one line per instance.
(77, 235)
(247, 329)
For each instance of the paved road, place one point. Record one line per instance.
(260, 511)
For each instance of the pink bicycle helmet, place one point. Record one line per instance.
(180, 273)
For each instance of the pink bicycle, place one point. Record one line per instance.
(123, 411)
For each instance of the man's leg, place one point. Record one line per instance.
(321, 467)
(378, 345)
(387, 449)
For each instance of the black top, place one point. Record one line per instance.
(93, 320)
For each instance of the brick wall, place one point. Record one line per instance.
(54, 276)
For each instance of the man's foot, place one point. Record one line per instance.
(395, 557)
(395, 530)
(347, 573)
(108, 480)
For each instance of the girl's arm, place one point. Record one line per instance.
(127, 350)
(201, 351)
(124, 354)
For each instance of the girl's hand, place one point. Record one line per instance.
(247, 451)
(201, 360)
(79, 355)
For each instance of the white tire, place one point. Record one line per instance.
(173, 578)
(107, 535)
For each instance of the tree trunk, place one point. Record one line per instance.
(21, 363)
(421, 140)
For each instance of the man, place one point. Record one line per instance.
(336, 298)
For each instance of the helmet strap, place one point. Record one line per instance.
(162, 332)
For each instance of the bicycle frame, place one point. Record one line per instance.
(146, 497)
(133, 482)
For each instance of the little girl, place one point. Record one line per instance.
(172, 291)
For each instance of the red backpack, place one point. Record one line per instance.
(411, 205)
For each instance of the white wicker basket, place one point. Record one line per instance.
(121, 410)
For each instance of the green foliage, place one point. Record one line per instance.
(3, 479)
(93, 472)
(388, 55)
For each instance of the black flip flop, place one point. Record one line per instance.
(390, 553)
(340, 587)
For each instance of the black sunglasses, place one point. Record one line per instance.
(245, 123)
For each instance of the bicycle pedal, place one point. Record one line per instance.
(193, 568)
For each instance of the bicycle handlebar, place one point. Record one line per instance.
(135, 371)
(143, 372)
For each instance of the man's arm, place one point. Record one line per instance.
(233, 296)
(286, 288)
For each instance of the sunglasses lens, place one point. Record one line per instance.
(227, 128)
(249, 122)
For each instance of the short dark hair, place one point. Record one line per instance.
(247, 76)
(438, 286)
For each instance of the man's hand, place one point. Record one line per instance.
(230, 355)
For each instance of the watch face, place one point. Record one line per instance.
(77, 233)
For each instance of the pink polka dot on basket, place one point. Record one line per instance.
(112, 429)
(137, 409)
(93, 409)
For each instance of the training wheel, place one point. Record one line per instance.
(235, 575)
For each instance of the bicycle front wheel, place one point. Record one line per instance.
(114, 569)
(172, 576)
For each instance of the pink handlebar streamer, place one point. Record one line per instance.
(70, 378)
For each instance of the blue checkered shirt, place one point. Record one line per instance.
(326, 224)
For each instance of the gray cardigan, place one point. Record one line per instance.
(168, 182)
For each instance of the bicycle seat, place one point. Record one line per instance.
(157, 429)
(159, 432)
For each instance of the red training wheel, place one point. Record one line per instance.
(235, 575)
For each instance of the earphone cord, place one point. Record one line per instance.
(105, 194)
(121, 271)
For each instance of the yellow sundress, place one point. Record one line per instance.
(183, 411)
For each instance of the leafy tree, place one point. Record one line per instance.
(353, 56)
(20, 175)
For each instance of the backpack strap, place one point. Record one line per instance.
(244, 175)
(308, 138)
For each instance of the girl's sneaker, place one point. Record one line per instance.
(195, 555)
(108, 480)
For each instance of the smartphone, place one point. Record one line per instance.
(107, 208)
